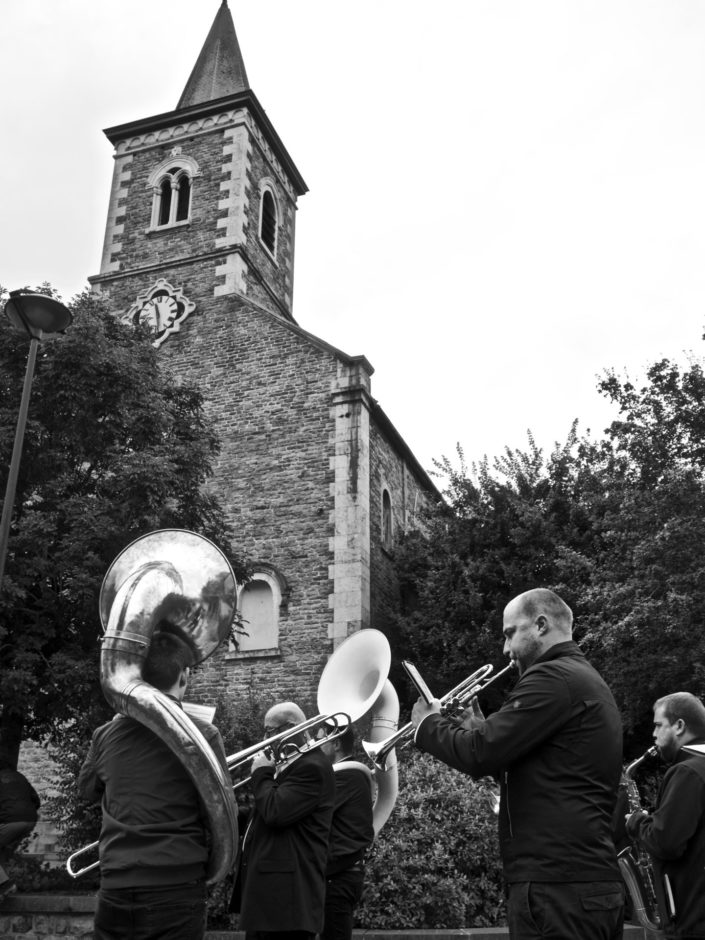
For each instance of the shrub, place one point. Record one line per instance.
(77, 820)
(436, 862)
(33, 876)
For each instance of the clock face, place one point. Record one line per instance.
(159, 313)
(162, 309)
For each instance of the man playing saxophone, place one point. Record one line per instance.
(674, 834)
(556, 745)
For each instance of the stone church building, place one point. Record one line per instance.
(316, 481)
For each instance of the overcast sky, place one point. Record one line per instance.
(506, 196)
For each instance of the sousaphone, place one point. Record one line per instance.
(182, 578)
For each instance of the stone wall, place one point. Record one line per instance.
(393, 471)
(269, 391)
(38, 767)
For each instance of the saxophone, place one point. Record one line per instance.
(635, 863)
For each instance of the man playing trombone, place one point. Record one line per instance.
(285, 847)
(556, 747)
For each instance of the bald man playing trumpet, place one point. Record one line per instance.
(285, 849)
(556, 748)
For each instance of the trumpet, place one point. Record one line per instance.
(458, 698)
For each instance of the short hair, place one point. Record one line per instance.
(686, 706)
(168, 656)
(171, 614)
(542, 601)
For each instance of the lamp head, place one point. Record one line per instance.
(36, 313)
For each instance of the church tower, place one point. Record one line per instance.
(204, 195)
(315, 480)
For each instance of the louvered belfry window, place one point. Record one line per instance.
(268, 226)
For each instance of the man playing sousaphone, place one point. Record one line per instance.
(153, 839)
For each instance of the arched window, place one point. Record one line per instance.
(183, 204)
(164, 201)
(387, 522)
(259, 603)
(268, 221)
(172, 197)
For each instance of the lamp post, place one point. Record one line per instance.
(38, 315)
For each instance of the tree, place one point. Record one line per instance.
(643, 613)
(613, 525)
(114, 448)
(505, 527)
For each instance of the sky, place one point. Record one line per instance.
(506, 197)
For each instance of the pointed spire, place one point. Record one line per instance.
(219, 70)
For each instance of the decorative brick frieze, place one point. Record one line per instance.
(206, 125)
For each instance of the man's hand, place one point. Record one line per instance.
(632, 822)
(263, 758)
(421, 709)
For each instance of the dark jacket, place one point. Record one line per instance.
(674, 835)
(286, 846)
(556, 745)
(153, 830)
(18, 798)
(351, 831)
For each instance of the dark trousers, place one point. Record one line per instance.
(11, 834)
(590, 910)
(343, 893)
(174, 912)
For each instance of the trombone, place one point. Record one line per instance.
(458, 698)
(285, 750)
(334, 726)
(352, 678)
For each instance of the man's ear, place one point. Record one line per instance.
(542, 623)
(183, 677)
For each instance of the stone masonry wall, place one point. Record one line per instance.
(268, 389)
(278, 273)
(38, 767)
(409, 498)
(229, 158)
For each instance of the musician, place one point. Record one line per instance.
(674, 834)
(556, 746)
(285, 847)
(351, 836)
(19, 802)
(153, 848)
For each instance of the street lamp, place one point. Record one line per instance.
(38, 315)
